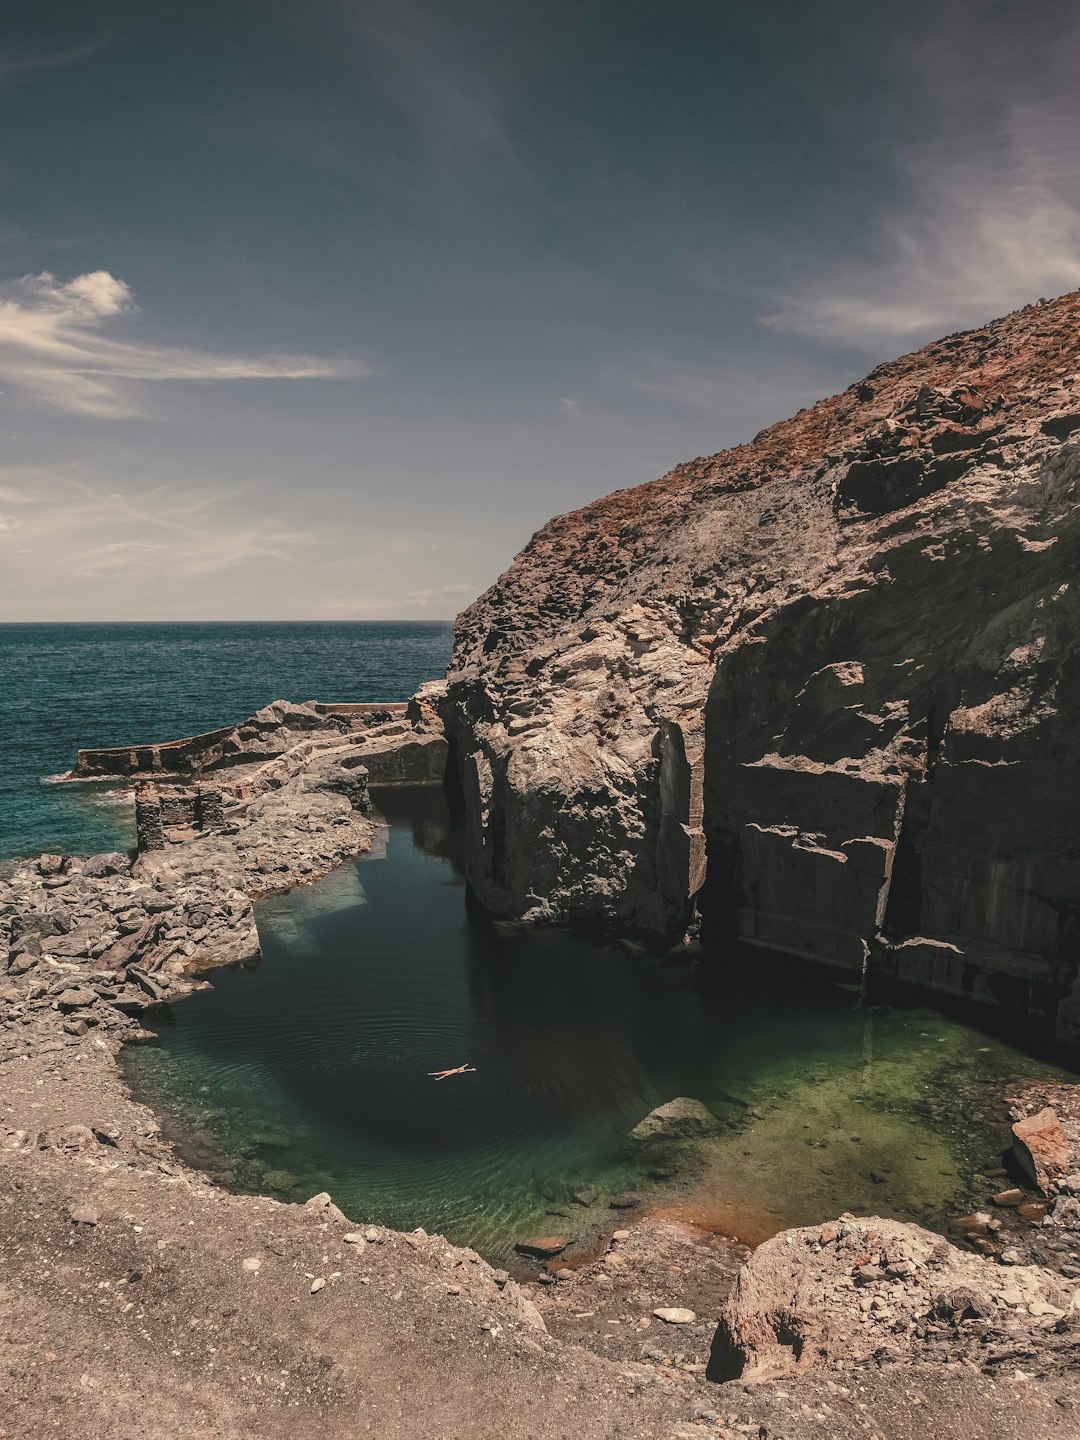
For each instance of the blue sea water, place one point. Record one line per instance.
(63, 687)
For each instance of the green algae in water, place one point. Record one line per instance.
(311, 1072)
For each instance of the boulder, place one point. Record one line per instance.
(1040, 1145)
(324, 1207)
(543, 1247)
(861, 1289)
(79, 998)
(110, 863)
(680, 1119)
(675, 1315)
(129, 946)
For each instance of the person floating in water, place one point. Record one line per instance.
(465, 1069)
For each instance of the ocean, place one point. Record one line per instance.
(63, 687)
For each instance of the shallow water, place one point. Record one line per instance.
(309, 1073)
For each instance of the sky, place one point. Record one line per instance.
(319, 311)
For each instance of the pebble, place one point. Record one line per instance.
(675, 1315)
(355, 1239)
(317, 1285)
(85, 1214)
(253, 1263)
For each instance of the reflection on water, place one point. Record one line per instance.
(312, 1073)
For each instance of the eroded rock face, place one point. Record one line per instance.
(840, 661)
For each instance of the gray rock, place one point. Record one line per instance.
(110, 863)
(680, 1119)
(840, 613)
(78, 998)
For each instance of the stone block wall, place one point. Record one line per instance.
(189, 808)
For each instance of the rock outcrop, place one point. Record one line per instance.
(857, 1290)
(840, 662)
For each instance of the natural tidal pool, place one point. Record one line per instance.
(309, 1072)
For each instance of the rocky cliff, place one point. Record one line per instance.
(822, 687)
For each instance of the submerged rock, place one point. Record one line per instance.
(680, 1119)
(543, 1247)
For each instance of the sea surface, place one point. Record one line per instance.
(66, 687)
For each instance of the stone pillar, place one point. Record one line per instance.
(209, 813)
(148, 827)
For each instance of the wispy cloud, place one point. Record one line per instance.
(53, 348)
(20, 65)
(60, 527)
(449, 80)
(77, 542)
(437, 603)
(712, 387)
(987, 210)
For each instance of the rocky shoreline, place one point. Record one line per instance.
(138, 1294)
(816, 694)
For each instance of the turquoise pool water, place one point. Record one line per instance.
(310, 1072)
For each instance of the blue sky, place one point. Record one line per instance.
(319, 311)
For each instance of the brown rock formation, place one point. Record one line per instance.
(1041, 1147)
(841, 660)
(853, 1290)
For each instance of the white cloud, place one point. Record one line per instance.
(53, 349)
(986, 216)
(59, 529)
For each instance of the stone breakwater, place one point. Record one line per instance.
(820, 691)
(99, 939)
(270, 732)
